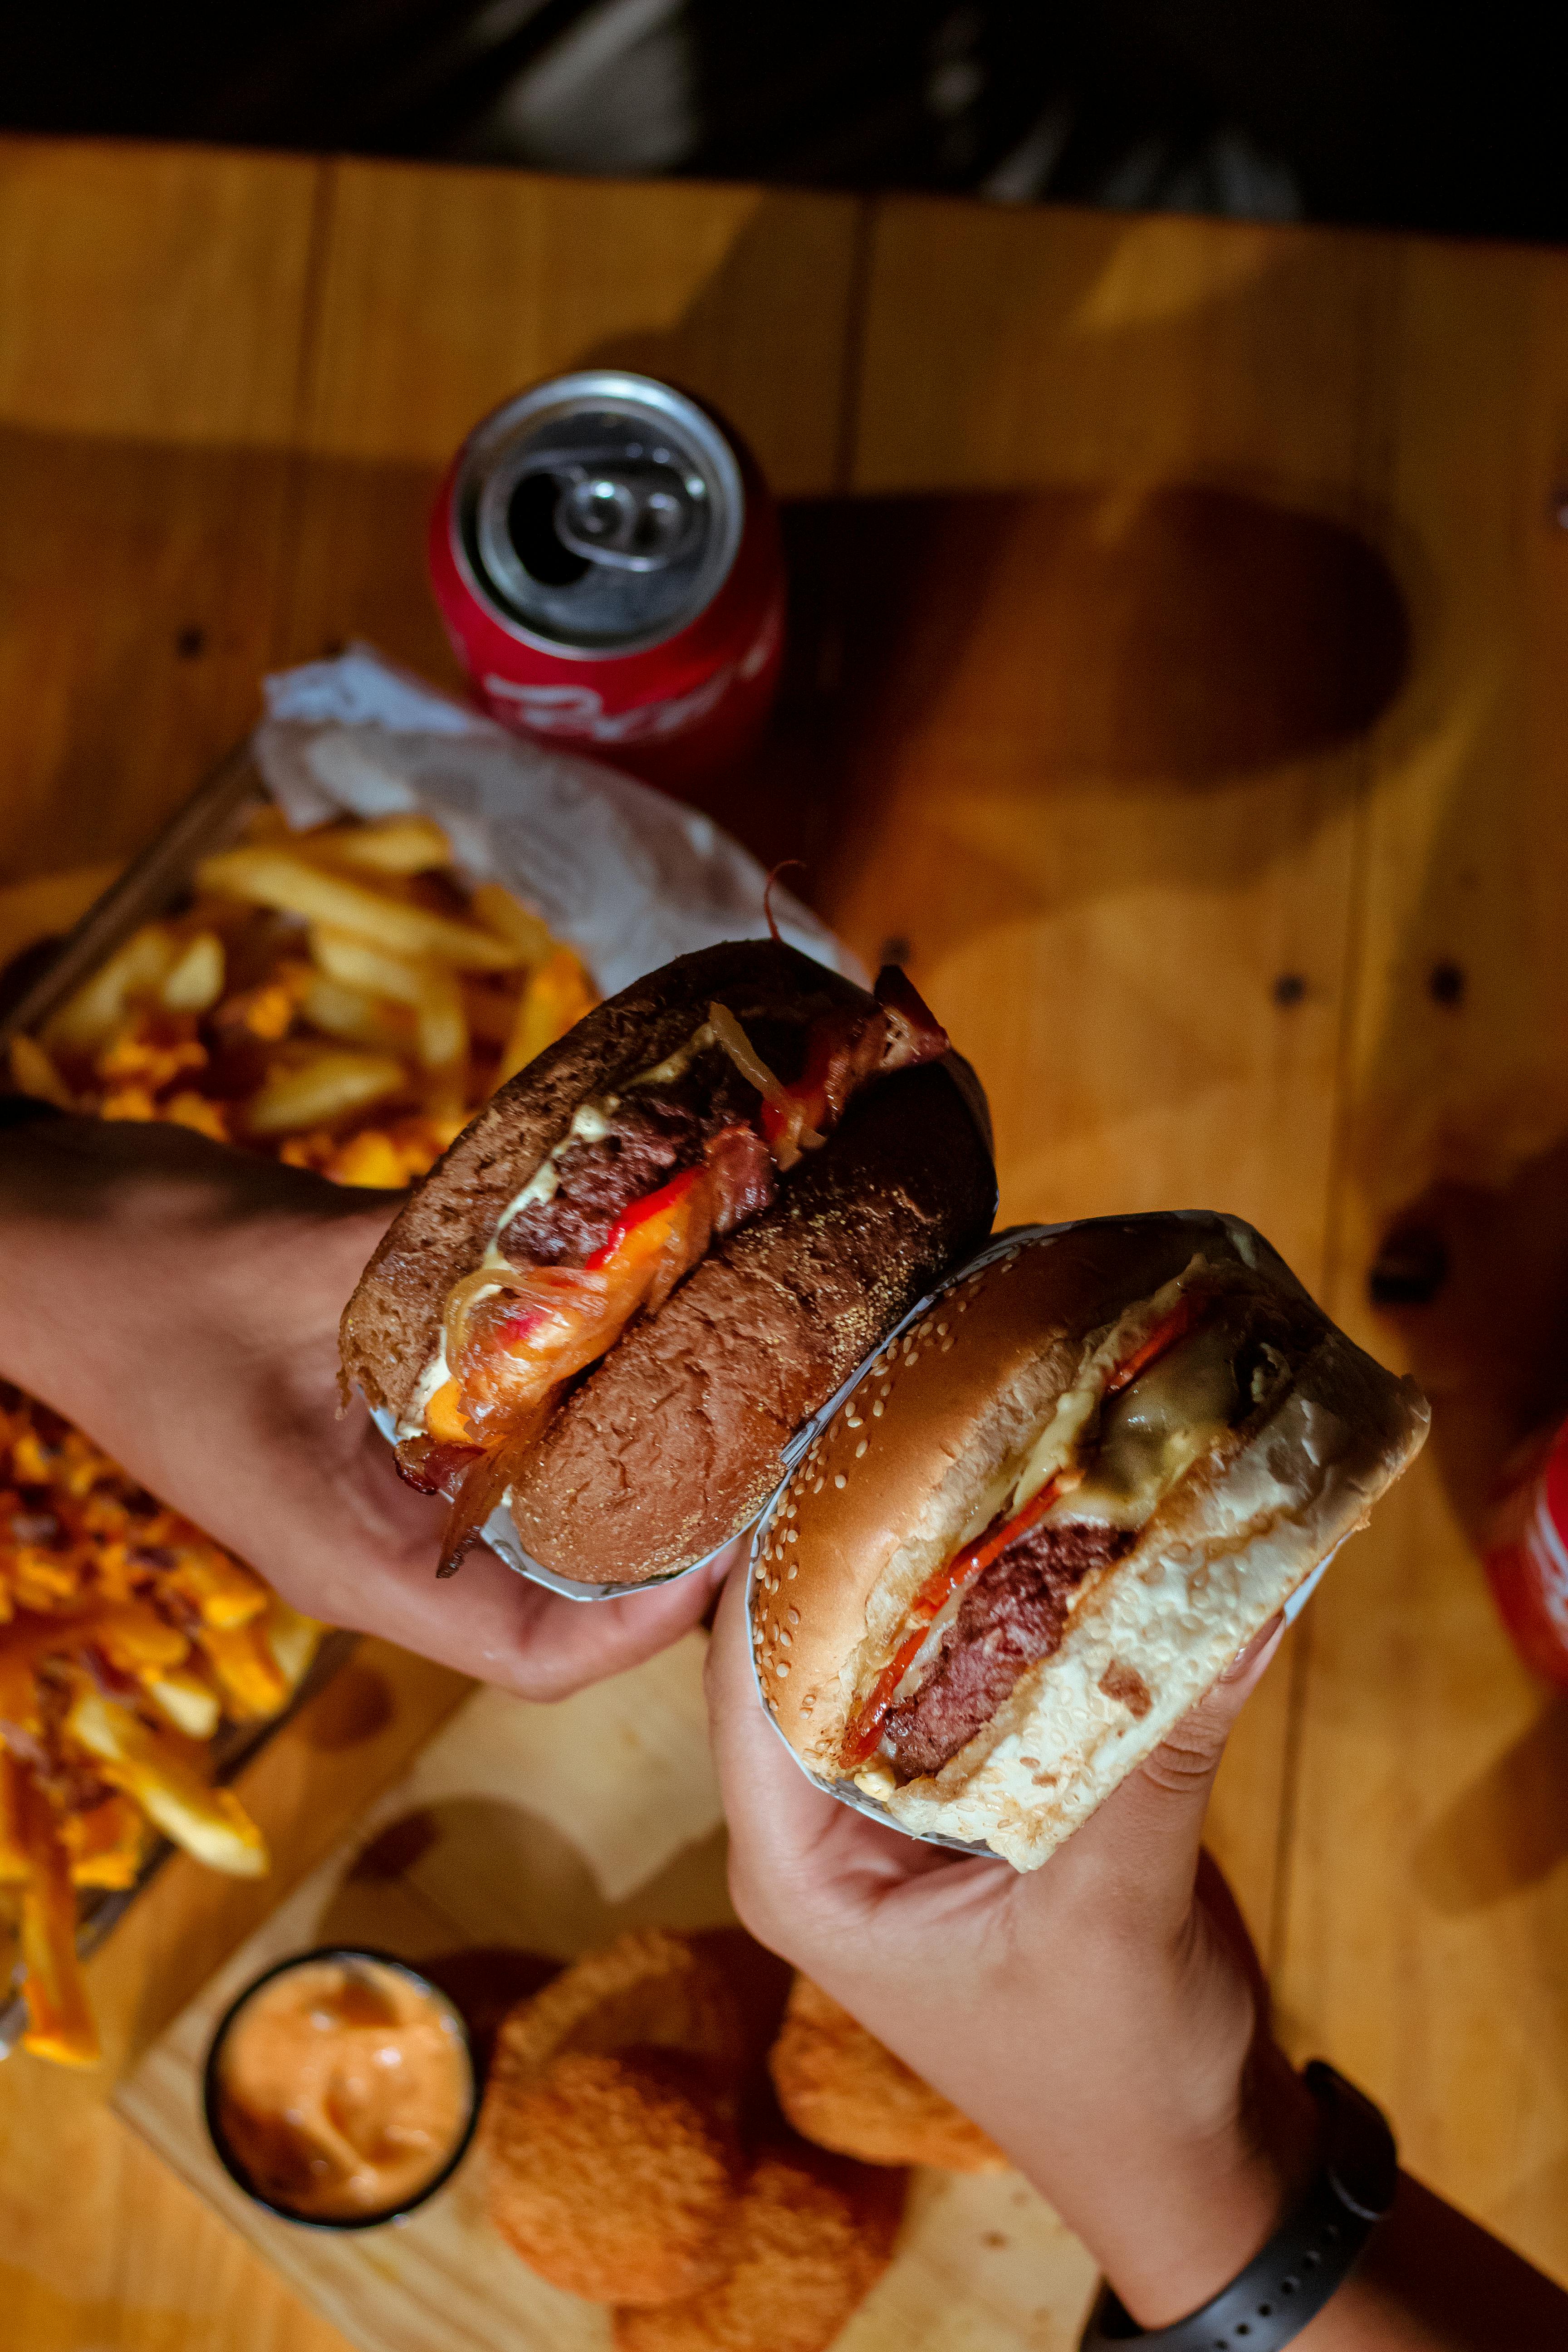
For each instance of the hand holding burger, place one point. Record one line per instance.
(1104, 2019)
(181, 1301)
(660, 1250)
(1014, 1594)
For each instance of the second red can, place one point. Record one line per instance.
(1526, 1554)
(605, 556)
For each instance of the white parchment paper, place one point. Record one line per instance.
(628, 876)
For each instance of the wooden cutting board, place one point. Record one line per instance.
(553, 1829)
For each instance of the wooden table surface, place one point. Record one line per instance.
(1182, 611)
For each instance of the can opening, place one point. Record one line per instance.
(599, 513)
(530, 527)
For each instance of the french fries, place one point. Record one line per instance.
(388, 844)
(60, 2020)
(336, 998)
(511, 921)
(211, 1824)
(194, 980)
(356, 1016)
(556, 997)
(320, 1086)
(14, 1865)
(360, 967)
(188, 1700)
(105, 1846)
(125, 1639)
(248, 1673)
(296, 884)
(137, 968)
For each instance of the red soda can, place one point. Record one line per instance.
(1526, 1555)
(605, 555)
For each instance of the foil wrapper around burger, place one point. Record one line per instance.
(499, 1532)
(846, 1790)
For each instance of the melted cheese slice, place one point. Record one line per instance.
(1155, 1430)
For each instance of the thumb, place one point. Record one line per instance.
(1152, 1824)
(1182, 1768)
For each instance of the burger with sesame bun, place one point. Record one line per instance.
(661, 1249)
(1049, 1514)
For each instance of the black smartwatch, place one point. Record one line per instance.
(1310, 2254)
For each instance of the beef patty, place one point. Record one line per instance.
(656, 1132)
(1014, 1614)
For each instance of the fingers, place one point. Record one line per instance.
(775, 1815)
(491, 1622)
(561, 1645)
(351, 1543)
(807, 1874)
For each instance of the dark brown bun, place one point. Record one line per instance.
(881, 1500)
(675, 1438)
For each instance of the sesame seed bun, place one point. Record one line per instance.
(941, 1423)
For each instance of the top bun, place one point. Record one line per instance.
(945, 1416)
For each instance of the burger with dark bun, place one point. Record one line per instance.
(1052, 1511)
(661, 1249)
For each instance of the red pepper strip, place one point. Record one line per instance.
(866, 1729)
(1164, 1335)
(652, 1204)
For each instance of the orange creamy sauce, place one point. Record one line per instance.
(344, 2089)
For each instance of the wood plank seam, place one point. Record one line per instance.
(1373, 475)
(312, 326)
(857, 316)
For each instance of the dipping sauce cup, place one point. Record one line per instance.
(341, 2089)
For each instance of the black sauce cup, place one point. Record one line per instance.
(212, 2090)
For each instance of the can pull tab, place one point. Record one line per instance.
(632, 520)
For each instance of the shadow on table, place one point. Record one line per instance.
(1166, 643)
(1473, 1279)
(1507, 1830)
(485, 1866)
(1162, 648)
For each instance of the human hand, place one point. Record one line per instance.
(1102, 2018)
(181, 1302)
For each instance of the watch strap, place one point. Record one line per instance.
(1306, 2260)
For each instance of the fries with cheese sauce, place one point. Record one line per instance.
(336, 999)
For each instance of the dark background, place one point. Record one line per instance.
(1360, 110)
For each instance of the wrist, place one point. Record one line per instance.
(114, 1235)
(1209, 2205)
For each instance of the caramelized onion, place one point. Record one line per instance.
(483, 1488)
(798, 1136)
